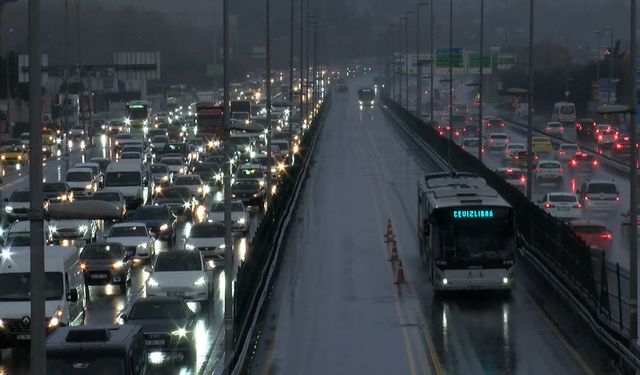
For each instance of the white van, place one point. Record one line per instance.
(130, 179)
(64, 293)
(564, 112)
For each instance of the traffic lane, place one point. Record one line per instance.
(571, 182)
(334, 307)
(484, 332)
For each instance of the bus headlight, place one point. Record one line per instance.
(445, 281)
(505, 280)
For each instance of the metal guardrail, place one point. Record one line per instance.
(553, 249)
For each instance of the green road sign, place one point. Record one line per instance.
(457, 58)
(506, 61)
(214, 70)
(474, 61)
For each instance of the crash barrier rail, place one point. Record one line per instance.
(558, 251)
(255, 272)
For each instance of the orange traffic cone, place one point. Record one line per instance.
(389, 236)
(394, 253)
(400, 275)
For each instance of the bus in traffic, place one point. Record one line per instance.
(467, 233)
(138, 114)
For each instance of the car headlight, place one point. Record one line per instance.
(200, 189)
(54, 322)
(261, 183)
(83, 228)
(142, 246)
(186, 205)
(151, 282)
(165, 178)
(145, 122)
(189, 246)
(242, 220)
(8, 209)
(118, 264)
(255, 195)
(52, 229)
(180, 332)
(164, 227)
(127, 121)
(89, 187)
(200, 282)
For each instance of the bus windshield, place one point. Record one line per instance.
(138, 112)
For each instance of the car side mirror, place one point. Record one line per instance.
(72, 296)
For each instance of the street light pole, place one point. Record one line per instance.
(611, 55)
(36, 212)
(418, 65)
(480, 81)
(450, 149)
(633, 202)
(397, 87)
(301, 91)
(599, 34)
(291, 19)
(401, 54)
(530, 105)
(433, 60)
(406, 59)
(268, 93)
(228, 243)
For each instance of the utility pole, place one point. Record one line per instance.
(316, 92)
(306, 65)
(418, 64)
(433, 60)
(401, 54)
(633, 175)
(406, 59)
(36, 211)
(268, 92)
(65, 101)
(395, 32)
(530, 106)
(611, 52)
(229, 339)
(301, 92)
(480, 81)
(599, 34)
(291, 19)
(450, 82)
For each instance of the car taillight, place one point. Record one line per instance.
(490, 140)
(577, 205)
(507, 152)
(606, 236)
(595, 163)
(548, 205)
(618, 146)
(561, 170)
(617, 197)
(586, 198)
(523, 179)
(573, 162)
(502, 124)
(600, 137)
(538, 170)
(578, 126)
(561, 152)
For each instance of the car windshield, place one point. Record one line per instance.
(122, 179)
(562, 198)
(206, 230)
(102, 251)
(498, 136)
(159, 168)
(18, 239)
(20, 196)
(17, 286)
(219, 207)
(106, 196)
(590, 229)
(604, 188)
(246, 184)
(84, 364)
(78, 176)
(130, 231)
(151, 213)
(250, 173)
(187, 180)
(182, 193)
(164, 309)
(54, 187)
(178, 261)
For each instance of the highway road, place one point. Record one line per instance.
(335, 308)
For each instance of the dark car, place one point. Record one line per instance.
(585, 128)
(178, 198)
(177, 148)
(248, 191)
(159, 219)
(583, 162)
(207, 170)
(57, 192)
(106, 263)
(167, 323)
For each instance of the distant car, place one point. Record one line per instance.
(599, 194)
(207, 171)
(541, 145)
(554, 128)
(471, 145)
(549, 170)
(566, 151)
(77, 131)
(17, 205)
(175, 164)
(249, 191)
(583, 161)
(519, 159)
(82, 181)
(498, 141)
(623, 144)
(493, 123)
(251, 172)
(160, 173)
(168, 325)
(178, 198)
(513, 176)
(605, 134)
(78, 231)
(106, 263)
(564, 206)
(57, 192)
(594, 233)
(194, 183)
(135, 237)
(159, 219)
(585, 128)
(511, 148)
(180, 273)
(471, 130)
(239, 215)
(208, 239)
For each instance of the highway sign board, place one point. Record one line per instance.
(506, 61)
(473, 63)
(457, 58)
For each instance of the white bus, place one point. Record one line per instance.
(466, 232)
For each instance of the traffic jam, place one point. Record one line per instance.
(134, 229)
(570, 180)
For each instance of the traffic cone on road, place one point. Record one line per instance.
(394, 253)
(400, 275)
(389, 236)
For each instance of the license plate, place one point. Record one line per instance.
(175, 294)
(99, 276)
(154, 342)
(23, 337)
(563, 208)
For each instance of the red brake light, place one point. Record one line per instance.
(600, 137)
(562, 152)
(548, 205)
(595, 163)
(606, 236)
(573, 162)
(523, 179)
(538, 170)
(617, 197)
(578, 205)
(586, 197)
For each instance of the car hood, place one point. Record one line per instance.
(68, 224)
(152, 222)
(128, 241)
(124, 190)
(170, 279)
(170, 201)
(205, 242)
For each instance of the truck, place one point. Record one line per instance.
(210, 121)
(241, 111)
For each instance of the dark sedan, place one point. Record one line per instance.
(57, 192)
(159, 219)
(167, 323)
(248, 191)
(178, 198)
(106, 263)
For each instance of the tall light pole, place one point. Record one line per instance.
(291, 20)
(397, 87)
(36, 211)
(306, 64)
(65, 102)
(406, 58)
(394, 31)
(401, 54)
(228, 250)
(433, 61)
(418, 65)
(633, 201)
(311, 18)
(301, 91)
(599, 34)
(480, 80)
(268, 93)
(450, 149)
(611, 52)
(530, 105)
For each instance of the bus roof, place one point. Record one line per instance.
(459, 189)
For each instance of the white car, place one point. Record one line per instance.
(606, 134)
(180, 273)
(18, 235)
(77, 131)
(251, 172)
(512, 148)
(239, 215)
(194, 183)
(132, 155)
(78, 231)
(567, 151)
(114, 198)
(549, 170)
(82, 181)
(175, 164)
(136, 239)
(563, 206)
(158, 142)
(498, 141)
(208, 239)
(554, 128)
